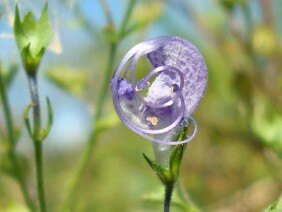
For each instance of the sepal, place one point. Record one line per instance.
(42, 133)
(32, 38)
(163, 173)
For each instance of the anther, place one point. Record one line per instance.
(153, 120)
(141, 85)
(174, 88)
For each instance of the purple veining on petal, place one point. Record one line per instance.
(179, 78)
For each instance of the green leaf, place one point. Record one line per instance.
(44, 132)
(266, 124)
(177, 153)
(8, 74)
(32, 38)
(146, 13)
(175, 160)
(70, 80)
(275, 207)
(26, 120)
(109, 121)
(163, 174)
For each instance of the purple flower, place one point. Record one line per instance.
(156, 102)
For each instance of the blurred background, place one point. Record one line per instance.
(233, 164)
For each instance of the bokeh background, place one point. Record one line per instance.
(233, 164)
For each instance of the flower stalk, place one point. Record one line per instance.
(32, 38)
(32, 80)
(168, 195)
(11, 151)
(159, 105)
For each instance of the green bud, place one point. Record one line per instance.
(32, 38)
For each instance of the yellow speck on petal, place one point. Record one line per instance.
(153, 120)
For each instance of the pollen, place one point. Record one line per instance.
(153, 120)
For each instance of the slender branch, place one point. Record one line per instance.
(9, 124)
(107, 12)
(93, 137)
(69, 202)
(167, 197)
(36, 141)
(7, 112)
(126, 18)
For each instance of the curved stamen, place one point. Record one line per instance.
(173, 142)
(140, 85)
(163, 68)
(149, 131)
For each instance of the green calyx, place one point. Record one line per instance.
(32, 38)
(169, 175)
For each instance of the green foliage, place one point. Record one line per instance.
(163, 173)
(266, 123)
(145, 14)
(169, 175)
(275, 207)
(32, 38)
(8, 74)
(42, 133)
(72, 81)
(111, 120)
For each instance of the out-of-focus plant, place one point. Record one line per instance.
(32, 38)
(12, 162)
(114, 36)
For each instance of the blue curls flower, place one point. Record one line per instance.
(156, 105)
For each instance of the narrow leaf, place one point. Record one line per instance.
(44, 132)
(26, 120)
(275, 207)
(161, 172)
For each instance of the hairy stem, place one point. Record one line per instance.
(167, 197)
(37, 142)
(9, 125)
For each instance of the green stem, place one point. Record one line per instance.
(37, 142)
(69, 203)
(126, 19)
(7, 112)
(9, 124)
(93, 137)
(167, 198)
(107, 12)
(39, 175)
